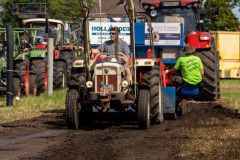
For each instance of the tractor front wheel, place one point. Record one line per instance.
(143, 112)
(152, 77)
(72, 108)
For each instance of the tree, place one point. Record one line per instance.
(227, 21)
(7, 17)
(57, 9)
(69, 10)
(63, 10)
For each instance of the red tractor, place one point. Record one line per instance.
(192, 14)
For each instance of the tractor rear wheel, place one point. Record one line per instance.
(21, 67)
(68, 56)
(153, 79)
(59, 75)
(17, 87)
(40, 68)
(209, 88)
(33, 84)
(143, 112)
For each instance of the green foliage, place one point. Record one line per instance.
(63, 10)
(57, 9)
(69, 10)
(226, 22)
(7, 16)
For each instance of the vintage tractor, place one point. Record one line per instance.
(100, 86)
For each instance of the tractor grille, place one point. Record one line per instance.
(108, 80)
(112, 73)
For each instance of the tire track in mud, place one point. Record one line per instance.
(114, 140)
(13, 147)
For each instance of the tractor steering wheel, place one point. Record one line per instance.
(110, 55)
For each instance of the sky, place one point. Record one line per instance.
(236, 11)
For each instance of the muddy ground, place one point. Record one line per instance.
(47, 137)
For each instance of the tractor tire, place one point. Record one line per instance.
(33, 84)
(68, 56)
(209, 88)
(143, 112)
(17, 87)
(153, 79)
(59, 75)
(77, 79)
(72, 109)
(40, 68)
(22, 69)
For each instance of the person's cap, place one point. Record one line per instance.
(113, 29)
(187, 49)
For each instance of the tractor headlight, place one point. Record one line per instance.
(152, 7)
(195, 5)
(89, 84)
(145, 6)
(189, 5)
(124, 84)
(153, 13)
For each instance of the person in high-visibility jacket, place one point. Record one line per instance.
(190, 65)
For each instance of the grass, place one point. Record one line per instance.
(29, 107)
(32, 106)
(215, 142)
(230, 91)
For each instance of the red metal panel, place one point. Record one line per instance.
(112, 80)
(194, 40)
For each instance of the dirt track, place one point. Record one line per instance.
(47, 137)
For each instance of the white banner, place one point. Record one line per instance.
(165, 33)
(99, 31)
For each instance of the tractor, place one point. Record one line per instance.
(63, 56)
(22, 76)
(191, 15)
(162, 31)
(97, 85)
(64, 52)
